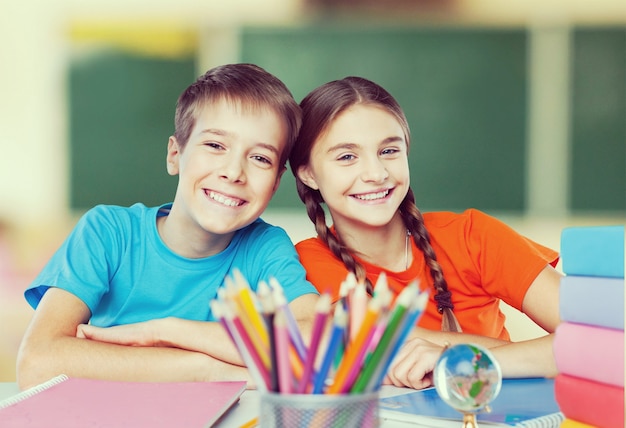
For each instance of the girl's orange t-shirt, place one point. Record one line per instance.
(483, 260)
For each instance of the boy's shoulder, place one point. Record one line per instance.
(117, 216)
(135, 210)
(260, 234)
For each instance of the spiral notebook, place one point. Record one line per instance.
(76, 402)
(528, 402)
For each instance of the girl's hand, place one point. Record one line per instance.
(414, 364)
(138, 334)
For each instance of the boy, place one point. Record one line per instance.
(235, 127)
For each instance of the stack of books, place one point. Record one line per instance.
(589, 342)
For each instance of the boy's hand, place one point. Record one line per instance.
(414, 364)
(138, 334)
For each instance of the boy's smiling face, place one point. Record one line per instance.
(228, 170)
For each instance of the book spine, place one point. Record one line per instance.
(590, 402)
(571, 423)
(597, 301)
(601, 358)
(593, 251)
(32, 391)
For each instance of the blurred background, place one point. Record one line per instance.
(516, 108)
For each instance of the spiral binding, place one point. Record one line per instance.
(32, 391)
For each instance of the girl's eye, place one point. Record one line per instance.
(346, 157)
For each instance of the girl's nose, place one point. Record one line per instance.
(374, 171)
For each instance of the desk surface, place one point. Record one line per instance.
(247, 407)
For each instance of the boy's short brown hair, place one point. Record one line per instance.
(247, 85)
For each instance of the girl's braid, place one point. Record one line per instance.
(414, 221)
(316, 213)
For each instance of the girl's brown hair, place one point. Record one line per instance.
(319, 109)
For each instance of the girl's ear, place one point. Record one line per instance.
(173, 156)
(305, 175)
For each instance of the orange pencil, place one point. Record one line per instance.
(355, 347)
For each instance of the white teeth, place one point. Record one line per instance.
(224, 200)
(373, 196)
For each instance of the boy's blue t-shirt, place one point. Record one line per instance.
(115, 261)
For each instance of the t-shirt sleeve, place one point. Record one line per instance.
(83, 263)
(507, 261)
(323, 269)
(276, 257)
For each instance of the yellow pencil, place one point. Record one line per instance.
(248, 306)
(251, 423)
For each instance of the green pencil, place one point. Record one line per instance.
(400, 309)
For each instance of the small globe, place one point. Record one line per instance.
(467, 377)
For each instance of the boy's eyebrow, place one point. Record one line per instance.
(214, 131)
(224, 133)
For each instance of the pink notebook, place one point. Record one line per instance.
(75, 402)
(590, 352)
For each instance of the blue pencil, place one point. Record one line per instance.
(340, 318)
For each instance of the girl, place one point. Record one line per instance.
(352, 156)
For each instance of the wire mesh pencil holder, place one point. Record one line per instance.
(319, 410)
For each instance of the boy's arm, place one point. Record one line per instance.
(207, 337)
(50, 347)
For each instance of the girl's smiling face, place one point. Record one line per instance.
(360, 167)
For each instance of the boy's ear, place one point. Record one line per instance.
(173, 156)
(304, 174)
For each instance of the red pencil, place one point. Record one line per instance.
(322, 308)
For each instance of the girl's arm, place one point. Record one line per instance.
(531, 358)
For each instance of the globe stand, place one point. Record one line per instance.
(469, 420)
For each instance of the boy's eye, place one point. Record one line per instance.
(214, 145)
(389, 151)
(262, 159)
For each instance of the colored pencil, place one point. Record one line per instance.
(285, 378)
(284, 364)
(392, 330)
(246, 349)
(322, 309)
(416, 310)
(249, 305)
(251, 333)
(267, 305)
(340, 318)
(294, 332)
(353, 351)
(358, 308)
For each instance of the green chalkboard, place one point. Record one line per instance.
(121, 110)
(598, 157)
(463, 92)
